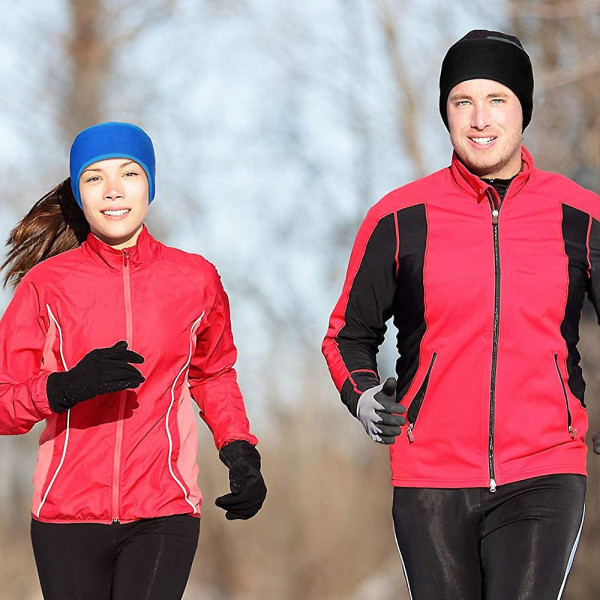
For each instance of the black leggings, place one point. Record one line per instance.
(515, 544)
(146, 560)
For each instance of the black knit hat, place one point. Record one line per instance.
(483, 54)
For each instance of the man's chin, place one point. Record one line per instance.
(481, 168)
(489, 169)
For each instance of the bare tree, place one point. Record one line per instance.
(407, 114)
(563, 37)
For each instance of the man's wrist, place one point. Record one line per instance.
(353, 388)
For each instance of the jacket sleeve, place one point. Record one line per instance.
(23, 400)
(357, 324)
(212, 378)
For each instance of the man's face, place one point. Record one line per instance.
(485, 120)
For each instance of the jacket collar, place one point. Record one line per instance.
(144, 252)
(474, 186)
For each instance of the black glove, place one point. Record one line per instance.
(379, 412)
(596, 441)
(100, 371)
(248, 489)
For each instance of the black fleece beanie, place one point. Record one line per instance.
(483, 54)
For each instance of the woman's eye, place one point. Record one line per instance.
(92, 178)
(130, 173)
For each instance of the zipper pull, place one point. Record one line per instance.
(495, 214)
(492, 486)
(573, 432)
(409, 434)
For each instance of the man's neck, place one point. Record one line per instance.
(500, 185)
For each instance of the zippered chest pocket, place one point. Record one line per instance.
(572, 431)
(415, 406)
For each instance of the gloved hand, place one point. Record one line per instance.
(596, 441)
(379, 412)
(100, 371)
(248, 489)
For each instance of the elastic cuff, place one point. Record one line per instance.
(40, 397)
(223, 440)
(357, 383)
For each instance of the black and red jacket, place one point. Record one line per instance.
(486, 298)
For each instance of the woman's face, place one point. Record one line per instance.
(114, 197)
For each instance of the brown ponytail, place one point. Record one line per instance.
(54, 224)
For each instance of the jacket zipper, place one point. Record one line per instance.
(417, 403)
(495, 214)
(571, 429)
(119, 435)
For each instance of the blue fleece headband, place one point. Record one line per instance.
(112, 140)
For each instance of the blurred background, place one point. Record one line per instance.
(276, 125)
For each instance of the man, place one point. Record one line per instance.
(483, 267)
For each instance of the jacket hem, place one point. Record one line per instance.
(107, 521)
(501, 478)
(559, 469)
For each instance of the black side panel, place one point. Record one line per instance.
(409, 302)
(575, 224)
(594, 281)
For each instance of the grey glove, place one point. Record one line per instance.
(379, 412)
(596, 441)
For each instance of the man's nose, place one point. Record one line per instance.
(480, 117)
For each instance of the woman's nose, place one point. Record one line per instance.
(114, 188)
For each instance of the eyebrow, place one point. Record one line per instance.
(120, 167)
(468, 97)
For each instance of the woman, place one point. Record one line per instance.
(108, 336)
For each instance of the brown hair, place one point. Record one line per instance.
(55, 224)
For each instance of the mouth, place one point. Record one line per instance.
(116, 213)
(482, 141)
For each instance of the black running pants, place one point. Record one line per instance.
(470, 544)
(148, 559)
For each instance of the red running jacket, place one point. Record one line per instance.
(127, 455)
(486, 299)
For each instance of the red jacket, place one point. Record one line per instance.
(487, 300)
(132, 454)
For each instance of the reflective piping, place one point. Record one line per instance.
(185, 494)
(572, 556)
(62, 459)
(403, 566)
